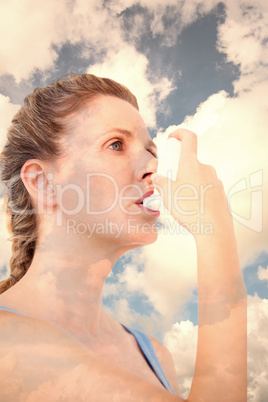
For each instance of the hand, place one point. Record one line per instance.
(197, 196)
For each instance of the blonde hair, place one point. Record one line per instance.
(35, 133)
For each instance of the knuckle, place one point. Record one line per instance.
(210, 173)
(191, 135)
(194, 135)
(183, 132)
(209, 169)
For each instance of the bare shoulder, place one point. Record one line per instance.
(39, 362)
(33, 354)
(167, 363)
(21, 331)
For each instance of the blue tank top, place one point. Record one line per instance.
(149, 353)
(146, 347)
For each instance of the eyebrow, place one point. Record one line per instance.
(129, 134)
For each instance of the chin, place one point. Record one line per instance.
(133, 233)
(142, 239)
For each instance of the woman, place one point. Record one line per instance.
(79, 159)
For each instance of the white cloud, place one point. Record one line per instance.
(233, 138)
(4, 272)
(168, 277)
(131, 280)
(121, 311)
(170, 270)
(130, 68)
(181, 341)
(243, 38)
(7, 111)
(35, 30)
(234, 130)
(181, 14)
(244, 28)
(263, 273)
(30, 27)
(257, 349)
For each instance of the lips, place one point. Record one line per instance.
(148, 194)
(139, 202)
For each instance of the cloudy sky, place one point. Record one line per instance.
(202, 65)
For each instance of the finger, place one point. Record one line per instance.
(188, 141)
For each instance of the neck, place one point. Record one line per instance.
(66, 280)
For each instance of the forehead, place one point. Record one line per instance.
(103, 114)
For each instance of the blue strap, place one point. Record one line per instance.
(148, 350)
(11, 310)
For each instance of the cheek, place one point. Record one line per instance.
(97, 193)
(102, 193)
(96, 189)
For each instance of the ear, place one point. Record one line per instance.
(39, 184)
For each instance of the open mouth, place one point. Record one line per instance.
(149, 211)
(140, 200)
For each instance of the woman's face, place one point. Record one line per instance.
(110, 160)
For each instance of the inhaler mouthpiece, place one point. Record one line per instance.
(153, 202)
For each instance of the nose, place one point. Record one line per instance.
(146, 168)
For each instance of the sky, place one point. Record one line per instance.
(199, 65)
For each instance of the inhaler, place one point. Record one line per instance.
(167, 166)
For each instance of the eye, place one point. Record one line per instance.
(117, 145)
(153, 153)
